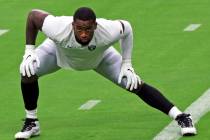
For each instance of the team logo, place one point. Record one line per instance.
(91, 47)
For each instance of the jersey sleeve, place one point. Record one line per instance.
(112, 27)
(120, 30)
(126, 41)
(57, 28)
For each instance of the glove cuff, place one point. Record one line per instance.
(30, 47)
(128, 61)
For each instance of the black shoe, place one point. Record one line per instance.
(30, 128)
(186, 124)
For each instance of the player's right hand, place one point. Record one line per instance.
(29, 59)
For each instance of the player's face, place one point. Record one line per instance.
(84, 30)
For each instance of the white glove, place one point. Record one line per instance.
(132, 78)
(29, 58)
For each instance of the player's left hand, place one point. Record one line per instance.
(132, 78)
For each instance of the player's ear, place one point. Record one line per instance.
(95, 25)
(73, 25)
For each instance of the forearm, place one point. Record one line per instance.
(34, 24)
(31, 31)
(127, 42)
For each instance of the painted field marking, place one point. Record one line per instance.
(192, 27)
(89, 104)
(197, 109)
(3, 31)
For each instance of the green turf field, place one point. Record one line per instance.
(174, 61)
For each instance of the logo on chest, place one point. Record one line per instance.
(91, 47)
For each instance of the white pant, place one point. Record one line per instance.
(109, 67)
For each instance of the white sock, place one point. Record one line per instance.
(174, 112)
(31, 114)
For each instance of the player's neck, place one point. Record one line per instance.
(82, 43)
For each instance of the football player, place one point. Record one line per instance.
(83, 42)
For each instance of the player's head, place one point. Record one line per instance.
(84, 24)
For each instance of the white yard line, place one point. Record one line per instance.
(3, 31)
(89, 104)
(197, 109)
(192, 27)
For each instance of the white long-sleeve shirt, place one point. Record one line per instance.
(71, 54)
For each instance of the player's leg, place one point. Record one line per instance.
(30, 89)
(110, 69)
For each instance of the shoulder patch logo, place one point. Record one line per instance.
(91, 47)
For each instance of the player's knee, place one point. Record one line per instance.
(26, 79)
(138, 90)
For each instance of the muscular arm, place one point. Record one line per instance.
(34, 24)
(133, 80)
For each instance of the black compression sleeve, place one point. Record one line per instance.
(30, 92)
(153, 97)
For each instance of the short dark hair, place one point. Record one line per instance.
(84, 13)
